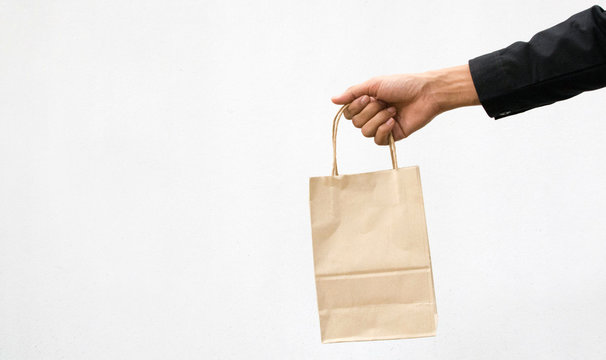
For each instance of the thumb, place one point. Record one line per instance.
(368, 87)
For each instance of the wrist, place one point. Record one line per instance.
(452, 87)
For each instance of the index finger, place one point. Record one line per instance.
(356, 106)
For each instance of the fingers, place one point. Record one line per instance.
(356, 106)
(359, 104)
(370, 128)
(367, 113)
(382, 134)
(368, 87)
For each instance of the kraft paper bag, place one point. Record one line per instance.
(371, 254)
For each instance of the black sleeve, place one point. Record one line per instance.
(556, 64)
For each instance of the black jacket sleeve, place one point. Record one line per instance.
(556, 64)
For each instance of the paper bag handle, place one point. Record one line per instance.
(335, 124)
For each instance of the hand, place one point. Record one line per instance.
(413, 100)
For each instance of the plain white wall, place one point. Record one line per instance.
(154, 165)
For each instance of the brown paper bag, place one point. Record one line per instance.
(371, 254)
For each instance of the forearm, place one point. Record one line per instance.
(452, 87)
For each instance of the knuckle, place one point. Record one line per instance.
(350, 92)
(357, 122)
(386, 113)
(346, 113)
(376, 106)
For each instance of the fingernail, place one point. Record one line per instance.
(390, 122)
(364, 100)
(391, 110)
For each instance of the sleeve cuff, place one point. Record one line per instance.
(491, 84)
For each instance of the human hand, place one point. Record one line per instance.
(413, 100)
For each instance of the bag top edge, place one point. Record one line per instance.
(364, 173)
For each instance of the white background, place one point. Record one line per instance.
(154, 165)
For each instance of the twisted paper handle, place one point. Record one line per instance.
(335, 124)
